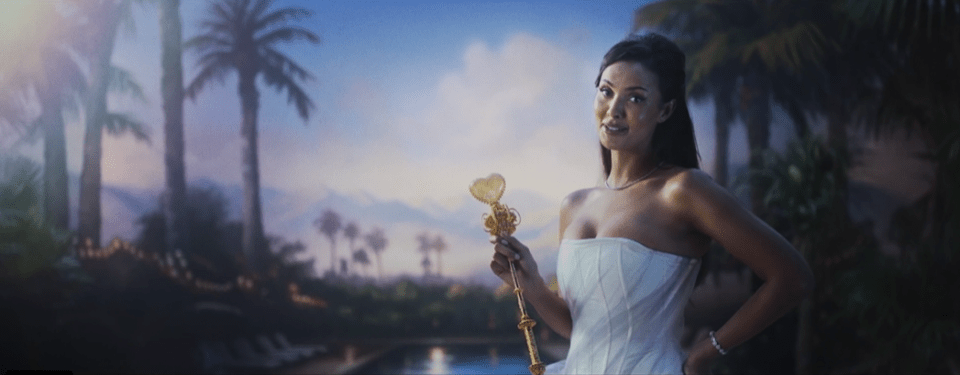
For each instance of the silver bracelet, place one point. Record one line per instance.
(716, 344)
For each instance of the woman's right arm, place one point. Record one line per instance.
(549, 305)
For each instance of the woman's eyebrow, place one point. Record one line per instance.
(628, 88)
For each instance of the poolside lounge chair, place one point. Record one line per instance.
(216, 358)
(310, 350)
(246, 352)
(291, 355)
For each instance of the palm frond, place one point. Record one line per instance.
(667, 15)
(281, 16)
(788, 48)
(215, 70)
(287, 34)
(286, 65)
(258, 8)
(121, 81)
(121, 123)
(276, 77)
(211, 41)
(714, 53)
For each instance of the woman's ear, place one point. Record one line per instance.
(666, 110)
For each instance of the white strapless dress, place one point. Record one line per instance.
(627, 303)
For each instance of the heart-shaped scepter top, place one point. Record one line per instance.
(488, 190)
(504, 220)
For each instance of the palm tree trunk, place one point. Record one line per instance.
(252, 238)
(379, 267)
(439, 265)
(171, 85)
(96, 110)
(333, 256)
(758, 129)
(56, 198)
(723, 118)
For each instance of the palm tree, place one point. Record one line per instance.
(329, 224)
(171, 87)
(377, 243)
(760, 45)
(46, 70)
(105, 18)
(351, 232)
(439, 246)
(923, 92)
(426, 245)
(241, 36)
(360, 256)
(425, 263)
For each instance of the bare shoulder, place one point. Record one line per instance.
(575, 199)
(570, 205)
(689, 183)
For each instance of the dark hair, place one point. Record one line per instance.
(673, 140)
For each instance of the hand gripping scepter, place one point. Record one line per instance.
(503, 222)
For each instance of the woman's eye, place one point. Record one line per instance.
(605, 91)
(637, 99)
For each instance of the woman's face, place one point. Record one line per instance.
(628, 106)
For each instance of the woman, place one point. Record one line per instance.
(630, 250)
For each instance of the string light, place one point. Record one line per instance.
(169, 263)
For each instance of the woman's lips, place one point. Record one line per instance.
(615, 130)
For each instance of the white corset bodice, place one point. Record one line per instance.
(626, 301)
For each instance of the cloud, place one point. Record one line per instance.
(523, 110)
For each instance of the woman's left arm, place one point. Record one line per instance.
(712, 210)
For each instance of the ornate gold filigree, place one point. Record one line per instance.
(503, 221)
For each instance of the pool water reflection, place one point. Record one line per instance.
(452, 359)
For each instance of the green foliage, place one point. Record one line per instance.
(802, 185)
(27, 244)
(906, 309)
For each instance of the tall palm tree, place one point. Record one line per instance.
(45, 70)
(377, 242)
(171, 87)
(329, 224)
(761, 45)
(439, 246)
(351, 232)
(241, 36)
(104, 20)
(923, 92)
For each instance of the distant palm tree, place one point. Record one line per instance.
(360, 256)
(377, 242)
(241, 36)
(425, 263)
(439, 246)
(351, 232)
(329, 224)
(426, 245)
(171, 87)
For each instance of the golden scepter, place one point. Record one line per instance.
(503, 222)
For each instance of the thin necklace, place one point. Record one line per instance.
(605, 182)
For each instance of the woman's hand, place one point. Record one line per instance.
(694, 366)
(701, 357)
(508, 249)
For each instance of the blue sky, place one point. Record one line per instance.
(414, 100)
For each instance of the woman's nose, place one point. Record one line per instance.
(615, 108)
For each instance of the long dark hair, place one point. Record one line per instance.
(673, 140)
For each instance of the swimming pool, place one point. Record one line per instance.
(452, 359)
